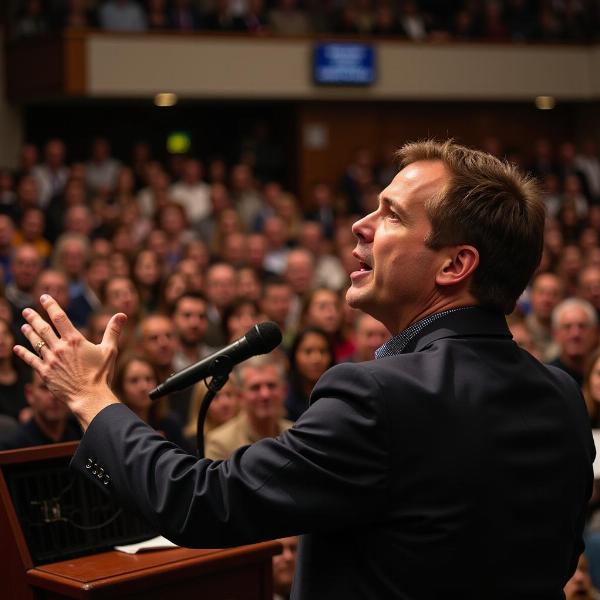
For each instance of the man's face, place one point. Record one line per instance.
(122, 296)
(284, 565)
(190, 321)
(299, 272)
(575, 334)
(220, 285)
(158, 340)
(546, 293)
(55, 284)
(25, 267)
(397, 273)
(276, 302)
(72, 257)
(579, 587)
(370, 335)
(263, 393)
(589, 286)
(45, 406)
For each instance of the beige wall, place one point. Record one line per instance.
(214, 67)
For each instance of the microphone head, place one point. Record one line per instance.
(264, 337)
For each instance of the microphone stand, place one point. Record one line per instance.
(222, 368)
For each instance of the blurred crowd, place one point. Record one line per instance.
(197, 251)
(418, 20)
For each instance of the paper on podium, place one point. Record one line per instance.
(157, 543)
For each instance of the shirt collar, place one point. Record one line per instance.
(398, 343)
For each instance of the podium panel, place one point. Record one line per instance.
(56, 531)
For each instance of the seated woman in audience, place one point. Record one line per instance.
(134, 379)
(239, 317)
(146, 273)
(311, 355)
(323, 308)
(14, 375)
(224, 406)
(173, 286)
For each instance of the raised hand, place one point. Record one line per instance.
(75, 370)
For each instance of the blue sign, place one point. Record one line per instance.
(344, 63)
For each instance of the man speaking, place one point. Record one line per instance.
(452, 466)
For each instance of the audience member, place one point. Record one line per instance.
(51, 176)
(546, 291)
(220, 293)
(284, 565)
(224, 407)
(189, 323)
(133, 381)
(311, 354)
(323, 309)
(50, 420)
(13, 377)
(262, 384)
(25, 267)
(369, 335)
(580, 587)
(575, 327)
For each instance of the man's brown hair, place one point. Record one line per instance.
(488, 204)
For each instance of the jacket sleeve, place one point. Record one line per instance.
(328, 471)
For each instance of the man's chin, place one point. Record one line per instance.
(355, 297)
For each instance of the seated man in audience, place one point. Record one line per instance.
(25, 266)
(50, 422)
(220, 293)
(300, 274)
(190, 322)
(589, 286)
(284, 565)
(261, 381)
(369, 334)
(580, 587)
(575, 327)
(276, 304)
(546, 292)
(158, 343)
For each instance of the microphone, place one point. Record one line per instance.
(261, 339)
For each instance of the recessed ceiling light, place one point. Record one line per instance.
(165, 99)
(545, 102)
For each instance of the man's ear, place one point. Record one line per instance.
(459, 264)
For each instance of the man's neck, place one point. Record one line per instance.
(405, 321)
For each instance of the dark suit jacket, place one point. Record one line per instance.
(460, 468)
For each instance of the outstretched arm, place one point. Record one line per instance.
(75, 370)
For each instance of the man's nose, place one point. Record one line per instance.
(363, 228)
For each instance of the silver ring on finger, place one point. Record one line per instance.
(38, 347)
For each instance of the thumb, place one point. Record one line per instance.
(113, 330)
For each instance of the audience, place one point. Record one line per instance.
(120, 237)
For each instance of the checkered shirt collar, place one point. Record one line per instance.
(398, 343)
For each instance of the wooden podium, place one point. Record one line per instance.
(51, 548)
